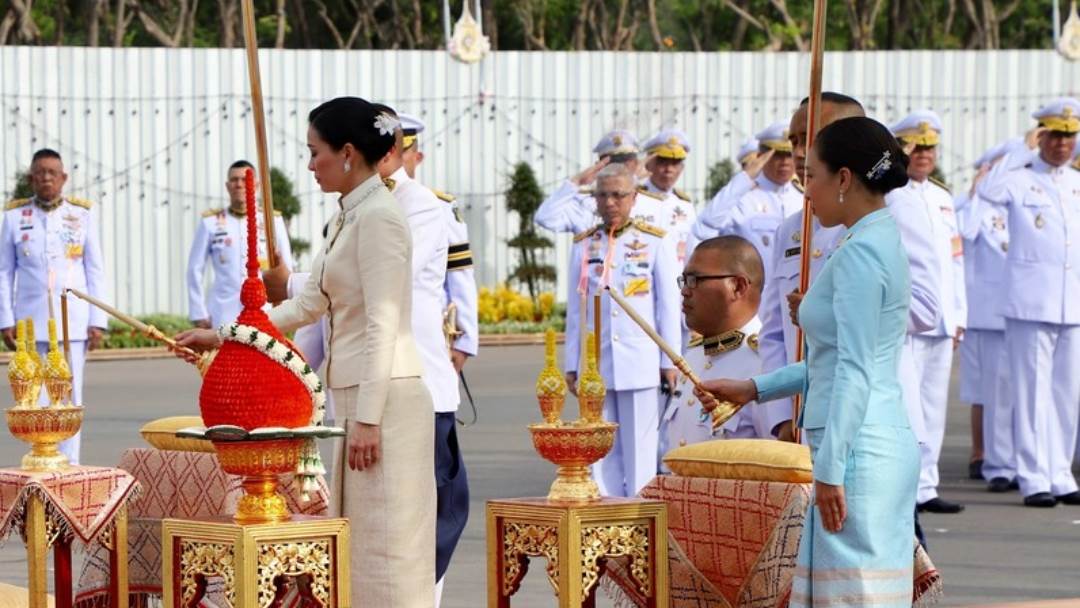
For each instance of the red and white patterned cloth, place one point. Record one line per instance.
(83, 501)
(180, 485)
(733, 544)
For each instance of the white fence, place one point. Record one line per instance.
(148, 133)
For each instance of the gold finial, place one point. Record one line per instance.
(31, 345)
(22, 372)
(550, 384)
(591, 389)
(57, 373)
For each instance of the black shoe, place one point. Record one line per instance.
(1072, 498)
(937, 505)
(1040, 499)
(1014, 485)
(975, 469)
(999, 485)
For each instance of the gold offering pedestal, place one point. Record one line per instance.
(255, 561)
(44, 428)
(573, 447)
(260, 463)
(577, 540)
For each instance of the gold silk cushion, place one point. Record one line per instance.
(743, 459)
(161, 434)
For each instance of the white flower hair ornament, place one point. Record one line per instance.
(879, 169)
(386, 124)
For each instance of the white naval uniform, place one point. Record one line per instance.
(733, 354)
(1042, 318)
(778, 333)
(221, 237)
(573, 209)
(676, 215)
(65, 242)
(983, 362)
(924, 313)
(460, 289)
(934, 348)
(755, 215)
(643, 270)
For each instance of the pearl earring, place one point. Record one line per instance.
(348, 167)
(841, 197)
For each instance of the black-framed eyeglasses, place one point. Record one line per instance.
(690, 281)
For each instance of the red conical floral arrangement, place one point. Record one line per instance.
(244, 386)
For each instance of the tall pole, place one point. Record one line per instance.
(251, 45)
(813, 118)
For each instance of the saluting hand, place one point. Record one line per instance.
(587, 176)
(831, 505)
(754, 167)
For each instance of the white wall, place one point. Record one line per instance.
(148, 133)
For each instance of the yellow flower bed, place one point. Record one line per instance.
(504, 304)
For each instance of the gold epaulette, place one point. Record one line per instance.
(213, 212)
(581, 236)
(679, 193)
(940, 184)
(797, 183)
(585, 190)
(277, 213)
(443, 196)
(649, 228)
(15, 204)
(646, 192)
(80, 202)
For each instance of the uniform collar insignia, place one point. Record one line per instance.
(237, 213)
(725, 342)
(619, 231)
(48, 205)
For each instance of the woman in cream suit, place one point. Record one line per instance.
(361, 279)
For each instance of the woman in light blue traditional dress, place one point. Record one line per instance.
(857, 546)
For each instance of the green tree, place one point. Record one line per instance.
(22, 187)
(523, 197)
(719, 175)
(286, 201)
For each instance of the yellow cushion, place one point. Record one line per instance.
(160, 433)
(18, 597)
(743, 459)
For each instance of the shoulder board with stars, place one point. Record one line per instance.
(80, 202)
(15, 204)
(940, 184)
(581, 236)
(646, 192)
(682, 195)
(213, 212)
(446, 197)
(586, 190)
(649, 228)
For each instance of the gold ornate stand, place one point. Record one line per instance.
(576, 539)
(250, 558)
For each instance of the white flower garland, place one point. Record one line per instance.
(310, 465)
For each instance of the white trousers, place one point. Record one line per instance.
(909, 385)
(984, 381)
(631, 463)
(69, 447)
(1044, 384)
(933, 362)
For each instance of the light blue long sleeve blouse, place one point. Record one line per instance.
(855, 317)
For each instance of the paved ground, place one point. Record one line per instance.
(995, 552)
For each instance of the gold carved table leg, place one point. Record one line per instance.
(37, 546)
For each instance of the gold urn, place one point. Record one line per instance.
(573, 447)
(260, 463)
(44, 428)
(550, 384)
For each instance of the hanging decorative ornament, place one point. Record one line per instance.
(1069, 43)
(468, 44)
